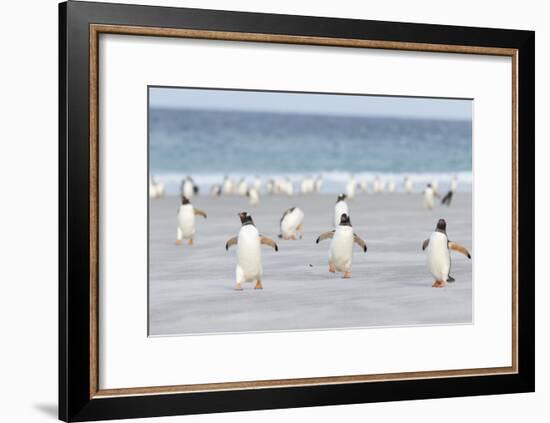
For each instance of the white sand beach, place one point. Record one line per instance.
(191, 287)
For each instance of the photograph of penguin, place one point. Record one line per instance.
(439, 254)
(429, 194)
(249, 254)
(253, 196)
(292, 224)
(340, 208)
(408, 185)
(341, 246)
(446, 200)
(216, 190)
(350, 188)
(186, 221)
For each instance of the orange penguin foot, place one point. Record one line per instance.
(238, 287)
(347, 275)
(439, 284)
(331, 268)
(178, 242)
(258, 285)
(190, 242)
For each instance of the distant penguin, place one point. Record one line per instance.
(364, 186)
(253, 196)
(341, 246)
(186, 221)
(307, 186)
(439, 256)
(350, 188)
(152, 188)
(228, 186)
(408, 185)
(449, 196)
(288, 187)
(242, 188)
(270, 186)
(429, 195)
(377, 185)
(435, 186)
(249, 254)
(292, 224)
(318, 184)
(391, 187)
(257, 184)
(187, 188)
(340, 208)
(216, 190)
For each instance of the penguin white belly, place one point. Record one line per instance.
(429, 199)
(340, 208)
(439, 258)
(290, 223)
(188, 189)
(341, 249)
(249, 267)
(186, 221)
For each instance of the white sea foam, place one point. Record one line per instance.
(333, 181)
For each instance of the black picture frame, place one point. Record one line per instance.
(75, 401)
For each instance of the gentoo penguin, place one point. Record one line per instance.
(350, 188)
(439, 255)
(429, 194)
(307, 186)
(291, 224)
(216, 190)
(186, 220)
(435, 186)
(391, 187)
(249, 254)
(227, 186)
(364, 186)
(257, 184)
(408, 185)
(187, 188)
(340, 208)
(242, 188)
(318, 184)
(341, 246)
(253, 196)
(377, 185)
(449, 196)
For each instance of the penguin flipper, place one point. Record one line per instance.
(326, 235)
(230, 242)
(268, 241)
(425, 244)
(450, 279)
(359, 241)
(459, 248)
(199, 212)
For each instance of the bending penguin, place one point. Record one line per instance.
(341, 246)
(340, 208)
(249, 254)
(186, 220)
(439, 254)
(291, 224)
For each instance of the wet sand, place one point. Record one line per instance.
(191, 288)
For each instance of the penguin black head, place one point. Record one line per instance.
(345, 220)
(341, 197)
(441, 226)
(184, 200)
(246, 219)
(429, 185)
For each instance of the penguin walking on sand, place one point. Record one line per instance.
(318, 184)
(186, 221)
(391, 187)
(253, 196)
(340, 208)
(408, 185)
(292, 224)
(449, 196)
(341, 246)
(429, 194)
(350, 188)
(439, 254)
(249, 254)
(216, 190)
(227, 185)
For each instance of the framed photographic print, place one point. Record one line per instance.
(269, 211)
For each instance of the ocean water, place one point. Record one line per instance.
(208, 144)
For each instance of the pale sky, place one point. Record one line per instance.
(356, 105)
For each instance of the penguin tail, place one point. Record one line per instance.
(450, 279)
